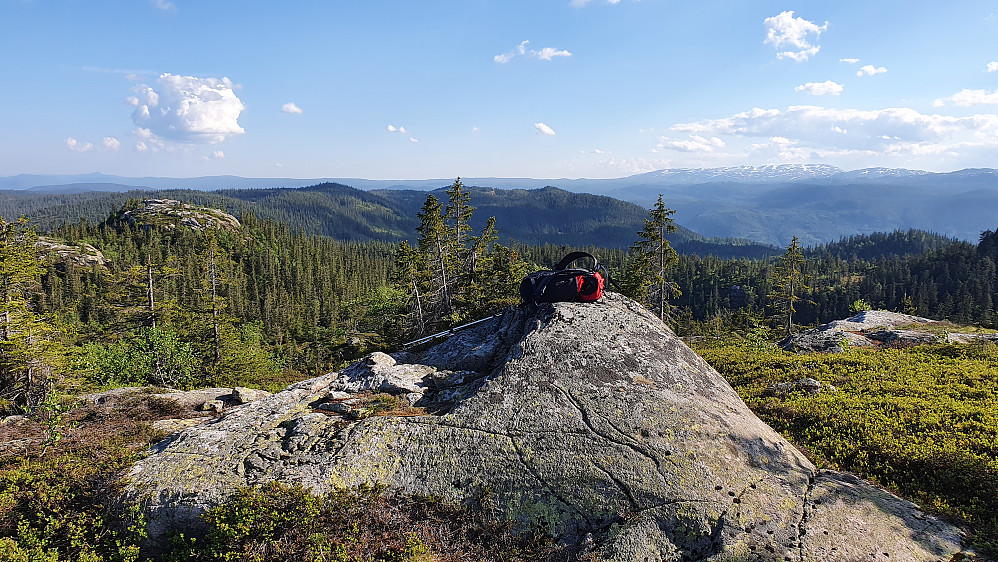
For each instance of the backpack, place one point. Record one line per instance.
(564, 285)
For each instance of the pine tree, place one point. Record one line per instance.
(651, 256)
(435, 248)
(26, 353)
(789, 283)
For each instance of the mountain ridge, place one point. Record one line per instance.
(767, 204)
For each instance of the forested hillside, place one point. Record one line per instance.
(539, 216)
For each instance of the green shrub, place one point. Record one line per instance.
(277, 522)
(921, 421)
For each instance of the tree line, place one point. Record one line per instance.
(184, 307)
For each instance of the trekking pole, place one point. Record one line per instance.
(449, 332)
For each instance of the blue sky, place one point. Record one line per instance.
(533, 88)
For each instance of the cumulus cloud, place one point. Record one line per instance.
(402, 131)
(695, 143)
(870, 70)
(218, 155)
(186, 109)
(544, 129)
(965, 98)
(849, 61)
(141, 146)
(826, 88)
(993, 66)
(290, 107)
(77, 146)
(547, 53)
(829, 131)
(598, 151)
(109, 144)
(793, 35)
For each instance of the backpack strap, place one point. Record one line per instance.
(567, 260)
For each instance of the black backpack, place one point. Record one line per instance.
(564, 285)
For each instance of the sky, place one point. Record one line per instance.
(409, 89)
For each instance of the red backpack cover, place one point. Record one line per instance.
(564, 285)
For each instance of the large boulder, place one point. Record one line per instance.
(591, 421)
(865, 329)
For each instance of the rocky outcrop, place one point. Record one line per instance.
(80, 255)
(957, 337)
(866, 329)
(171, 214)
(590, 421)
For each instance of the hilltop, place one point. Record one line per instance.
(590, 422)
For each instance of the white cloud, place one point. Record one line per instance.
(413, 139)
(400, 129)
(111, 143)
(695, 143)
(547, 53)
(218, 155)
(290, 107)
(187, 109)
(849, 61)
(162, 4)
(784, 31)
(780, 149)
(598, 151)
(77, 146)
(544, 129)
(826, 88)
(141, 146)
(870, 70)
(827, 131)
(993, 66)
(965, 98)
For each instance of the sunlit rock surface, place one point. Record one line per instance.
(592, 421)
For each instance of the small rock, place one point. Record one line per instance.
(360, 413)
(212, 406)
(243, 395)
(807, 384)
(337, 395)
(336, 407)
(14, 420)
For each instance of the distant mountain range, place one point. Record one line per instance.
(769, 204)
(537, 216)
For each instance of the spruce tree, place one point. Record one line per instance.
(651, 256)
(789, 283)
(25, 350)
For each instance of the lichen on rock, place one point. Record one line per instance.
(591, 421)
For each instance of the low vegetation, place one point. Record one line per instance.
(921, 421)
